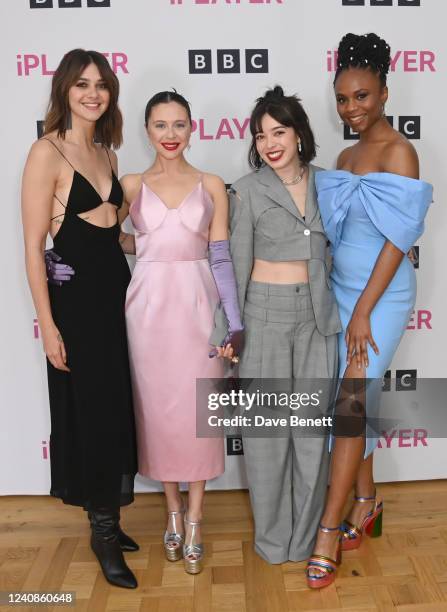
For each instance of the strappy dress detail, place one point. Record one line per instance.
(83, 196)
(92, 443)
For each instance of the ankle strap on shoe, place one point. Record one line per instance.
(328, 529)
(192, 523)
(362, 500)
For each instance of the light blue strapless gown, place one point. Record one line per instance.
(359, 214)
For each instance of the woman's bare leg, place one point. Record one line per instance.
(347, 458)
(195, 509)
(174, 503)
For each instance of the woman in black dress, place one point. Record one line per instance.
(71, 191)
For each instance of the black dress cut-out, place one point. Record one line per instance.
(92, 443)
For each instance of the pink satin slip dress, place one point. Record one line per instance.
(170, 315)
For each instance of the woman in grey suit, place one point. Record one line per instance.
(279, 252)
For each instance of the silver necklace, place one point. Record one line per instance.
(297, 179)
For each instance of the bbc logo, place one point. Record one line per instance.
(40, 126)
(36, 4)
(234, 445)
(406, 380)
(409, 126)
(381, 2)
(228, 61)
(416, 256)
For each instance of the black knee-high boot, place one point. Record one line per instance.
(127, 544)
(105, 544)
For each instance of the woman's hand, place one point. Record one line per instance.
(222, 351)
(232, 346)
(57, 272)
(358, 335)
(54, 348)
(226, 352)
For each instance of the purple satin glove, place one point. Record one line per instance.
(222, 269)
(57, 273)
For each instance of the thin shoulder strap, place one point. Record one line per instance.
(57, 149)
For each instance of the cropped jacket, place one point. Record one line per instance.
(265, 223)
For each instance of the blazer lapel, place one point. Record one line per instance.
(276, 191)
(311, 197)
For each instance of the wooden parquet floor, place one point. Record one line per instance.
(44, 546)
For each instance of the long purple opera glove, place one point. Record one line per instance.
(57, 273)
(222, 269)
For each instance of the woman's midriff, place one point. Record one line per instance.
(280, 272)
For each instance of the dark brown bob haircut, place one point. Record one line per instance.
(288, 111)
(109, 127)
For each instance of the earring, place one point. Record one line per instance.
(299, 146)
(383, 110)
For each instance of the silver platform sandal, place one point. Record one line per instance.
(172, 540)
(191, 548)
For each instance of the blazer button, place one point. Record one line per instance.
(307, 232)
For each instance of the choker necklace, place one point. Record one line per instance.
(297, 179)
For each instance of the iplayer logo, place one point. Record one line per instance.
(224, 2)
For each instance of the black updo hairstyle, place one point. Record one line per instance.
(288, 111)
(163, 97)
(369, 52)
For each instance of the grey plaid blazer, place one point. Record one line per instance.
(265, 223)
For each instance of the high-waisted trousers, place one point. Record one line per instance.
(287, 476)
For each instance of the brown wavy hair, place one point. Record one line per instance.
(109, 127)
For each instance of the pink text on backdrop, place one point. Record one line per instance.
(227, 128)
(403, 438)
(407, 61)
(215, 2)
(420, 319)
(27, 63)
(44, 449)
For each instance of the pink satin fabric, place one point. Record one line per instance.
(170, 315)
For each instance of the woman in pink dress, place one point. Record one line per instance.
(179, 214)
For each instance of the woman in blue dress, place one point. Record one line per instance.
(373, 208)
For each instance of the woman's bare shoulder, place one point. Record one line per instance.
(400, 157)
(213, 182)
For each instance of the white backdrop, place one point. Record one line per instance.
(149, 43)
